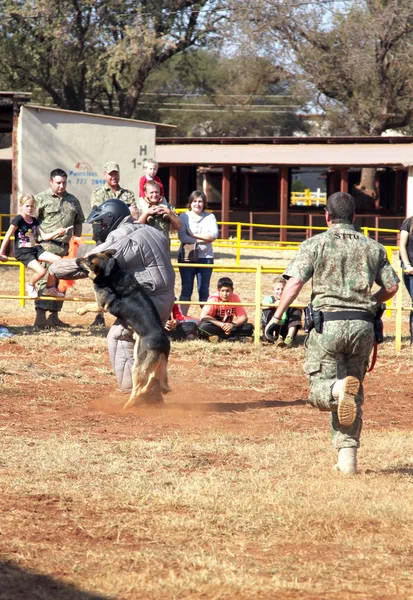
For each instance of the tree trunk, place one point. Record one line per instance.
(365, 193)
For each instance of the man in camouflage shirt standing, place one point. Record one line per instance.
(56, 208)
(344, 265)
(112, 189)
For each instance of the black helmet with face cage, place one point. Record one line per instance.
(107, 217)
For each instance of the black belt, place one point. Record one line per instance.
(348, 315)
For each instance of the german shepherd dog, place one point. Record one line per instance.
(120, 294)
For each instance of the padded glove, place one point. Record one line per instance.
(272, 330)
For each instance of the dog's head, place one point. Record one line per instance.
(101, 263)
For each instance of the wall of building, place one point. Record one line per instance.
(80, 144)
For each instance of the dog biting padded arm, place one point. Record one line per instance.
(67, 268)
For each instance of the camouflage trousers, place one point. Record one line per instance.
(342, 349)
(52, 305)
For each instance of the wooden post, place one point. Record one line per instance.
(344, 180)
(14, 207)
(283, 202)
(173, 184)
(398, 191)
(226, 190)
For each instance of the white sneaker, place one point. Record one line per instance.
(347, 461)
(345, 391)
(31, 291)
(53, 291)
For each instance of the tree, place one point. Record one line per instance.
(354, 58)
(210, 93)
(94, 55)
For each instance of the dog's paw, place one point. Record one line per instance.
(82, 311)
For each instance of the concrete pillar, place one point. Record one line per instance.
(409, 192)
(226, 190)
(283, 202)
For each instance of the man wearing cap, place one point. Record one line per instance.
(112, 189)
(56, 208)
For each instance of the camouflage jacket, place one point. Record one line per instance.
(343, 264)
(105, 193)
(55, 212)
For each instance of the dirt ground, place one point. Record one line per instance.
(74, 394)
(192, 406)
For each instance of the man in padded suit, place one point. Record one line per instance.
(142, 251)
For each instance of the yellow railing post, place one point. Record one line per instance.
(22, 273)
(399, 314)
(257, 306)
(238, 256)
(365, 231)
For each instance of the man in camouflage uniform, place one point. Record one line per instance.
(112, 189)
(155, 211)
(343, 265)
(56, 208)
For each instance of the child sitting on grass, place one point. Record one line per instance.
(181, 327)
(26, 229)
(225, 322)
(291, 319)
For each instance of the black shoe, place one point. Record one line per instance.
(54, 321)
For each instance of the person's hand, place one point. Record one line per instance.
(408, 269)
(227, 328)
(272, 330)
(161, 209)
(153, 210)
(4, 258)
(171, 325)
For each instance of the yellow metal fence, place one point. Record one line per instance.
(238, 244)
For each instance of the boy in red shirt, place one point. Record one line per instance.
(225, 322)
(151, 169)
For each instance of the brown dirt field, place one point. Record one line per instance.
(61, 384)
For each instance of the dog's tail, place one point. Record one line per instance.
(150, 377)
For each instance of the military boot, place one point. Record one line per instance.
(40, 321)
(345, 391)
(347, 461)
(54, 321)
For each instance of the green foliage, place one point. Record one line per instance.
(206, 93)
(354, 57)
(94, 55)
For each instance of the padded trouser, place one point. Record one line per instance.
(342, 349)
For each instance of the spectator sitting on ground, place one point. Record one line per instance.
(154, 210)
(180, 327)
(151, 169)
(291, 319)
(225, 322)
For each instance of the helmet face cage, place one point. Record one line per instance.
(106, 217)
